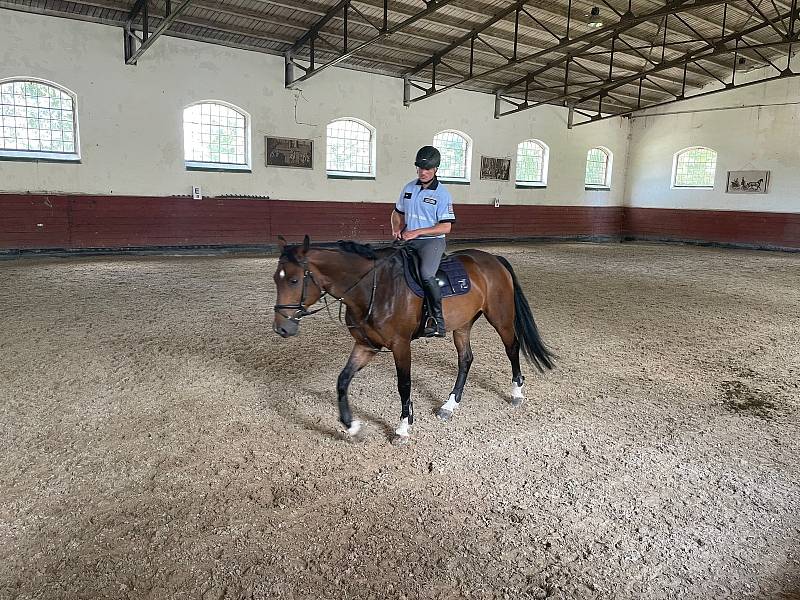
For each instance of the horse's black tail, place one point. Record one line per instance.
(530, 343)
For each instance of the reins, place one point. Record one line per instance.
(301, 310)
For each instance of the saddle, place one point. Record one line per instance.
(452, 276)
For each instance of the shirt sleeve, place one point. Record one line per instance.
(444, 209)
(400, 205)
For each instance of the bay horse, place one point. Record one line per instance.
(383, 312)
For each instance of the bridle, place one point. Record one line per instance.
(299, 307)
(302, 311)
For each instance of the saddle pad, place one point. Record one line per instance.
(452, 277)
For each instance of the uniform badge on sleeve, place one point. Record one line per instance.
(407, 196)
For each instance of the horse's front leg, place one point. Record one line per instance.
(359, 357)
(402, 362)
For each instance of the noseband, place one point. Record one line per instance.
(299, 308)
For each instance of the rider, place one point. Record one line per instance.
(422, 216)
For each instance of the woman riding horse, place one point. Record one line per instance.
(383, 312)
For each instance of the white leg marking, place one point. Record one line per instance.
(403, 429)
(355, 427)
(451, 403)
(516, 392)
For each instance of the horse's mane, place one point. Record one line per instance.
(363, 250)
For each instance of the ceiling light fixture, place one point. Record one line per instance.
(595, 21)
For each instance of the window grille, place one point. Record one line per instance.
(350, 148)
(598, 168)
(216, 136)
(532, 158)
(455, 148)
(694, 168)
(37, 120)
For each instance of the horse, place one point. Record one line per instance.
(383, 314)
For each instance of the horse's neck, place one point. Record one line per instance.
(340, 270)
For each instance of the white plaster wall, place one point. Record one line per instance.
(131, 130)
(758, 129)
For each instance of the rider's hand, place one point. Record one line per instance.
(408, 235)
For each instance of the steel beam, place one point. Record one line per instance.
(631, 110)
(135, 45)
(709, 50)
(307, 39)
(589, 40)
(694, 56)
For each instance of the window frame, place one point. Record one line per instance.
(199, 165)
(606, 185)
(373, 154)
(43, 155)
(466, 180)
(675, 158)
(545, 166)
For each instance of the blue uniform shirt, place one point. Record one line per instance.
(425, 207)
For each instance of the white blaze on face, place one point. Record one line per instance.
(282, 274)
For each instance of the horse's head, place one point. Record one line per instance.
(297, 289)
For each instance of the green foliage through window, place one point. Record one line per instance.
(695, 167)
(36, 118)
(531, 162)
(597, 168)
(215, 133)
(454, 149)
(349, 148)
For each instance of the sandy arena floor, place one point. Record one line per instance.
(159, 441)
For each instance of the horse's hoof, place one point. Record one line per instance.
(401, 440)
(444, 414)
(517, 400)
(354, 429)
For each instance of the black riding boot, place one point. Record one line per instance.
(434, 324)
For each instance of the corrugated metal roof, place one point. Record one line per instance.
(536, 33)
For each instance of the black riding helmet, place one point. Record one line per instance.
(428, 157)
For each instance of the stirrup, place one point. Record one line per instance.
(431, 328)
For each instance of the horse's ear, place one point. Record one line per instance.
(282, 242)
(306, 243)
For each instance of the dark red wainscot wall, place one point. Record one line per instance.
(42, 222)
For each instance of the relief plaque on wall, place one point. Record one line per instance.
(747, 182)
(495, 168)
(290, 152)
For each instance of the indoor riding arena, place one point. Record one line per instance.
(186, 408)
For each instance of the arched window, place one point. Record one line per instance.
(216, 135)
(532, 157)
(598, 168)
(38, 119)
(456, 149)
(694, 167)
(350, 148)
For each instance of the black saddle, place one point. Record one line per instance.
(452, 276)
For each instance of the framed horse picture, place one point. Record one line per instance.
(495, 168)
(747, 182)
(290, 152)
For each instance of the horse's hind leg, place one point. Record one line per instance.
(359, 357)
(517, 379)
(461, 339)
(502, 320)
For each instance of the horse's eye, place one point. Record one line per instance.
(293, 280)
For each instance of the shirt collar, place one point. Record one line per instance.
(434, 184)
